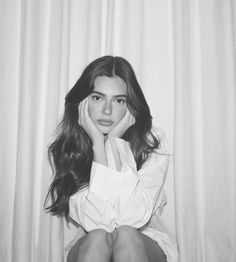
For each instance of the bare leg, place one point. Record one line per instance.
(94, 246)
(131, 245)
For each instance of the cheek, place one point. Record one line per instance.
(120, 114)
(92, 109)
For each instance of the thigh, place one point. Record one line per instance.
(154, 251)
(97, 239)
(127, 234)
(74, 251)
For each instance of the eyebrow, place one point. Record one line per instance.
(101, 94)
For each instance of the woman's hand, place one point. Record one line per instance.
(86, 122)
(127, 121)
(94, 133)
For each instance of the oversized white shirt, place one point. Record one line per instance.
(128, 197)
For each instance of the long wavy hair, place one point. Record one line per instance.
(71, 153)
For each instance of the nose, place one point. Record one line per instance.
(107, 109)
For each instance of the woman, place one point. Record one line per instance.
(110, 167)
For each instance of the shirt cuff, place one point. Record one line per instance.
(107, 182)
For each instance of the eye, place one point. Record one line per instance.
(96, 98)
(120, 101)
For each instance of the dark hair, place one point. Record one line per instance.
(71, 154)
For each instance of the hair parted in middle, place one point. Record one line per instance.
(71, 153)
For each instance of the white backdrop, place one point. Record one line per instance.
(205, 129)
(184, 55)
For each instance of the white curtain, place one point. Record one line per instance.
(184, 55)
(205, 129)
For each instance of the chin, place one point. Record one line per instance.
(105, 130)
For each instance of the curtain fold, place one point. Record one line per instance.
(205, 130)
(184, 55)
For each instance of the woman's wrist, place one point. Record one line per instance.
(115, 152)
(99, 154)
(99, 144)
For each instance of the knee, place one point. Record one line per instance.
(127, 237)
(97, 239)
(124, 233)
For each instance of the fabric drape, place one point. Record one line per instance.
(205, 135)
(183, 53)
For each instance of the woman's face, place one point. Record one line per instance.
(107, 103)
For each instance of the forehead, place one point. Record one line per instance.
(110, 85)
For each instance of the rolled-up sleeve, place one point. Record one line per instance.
(128, 197)
(137, 208)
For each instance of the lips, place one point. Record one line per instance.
(105, 122)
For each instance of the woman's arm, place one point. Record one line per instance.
(140, 192)
(120, 196)
(136, 204)
(96, 136)
(114, 198)
(115, 153)
(99, 154)
(127, 121)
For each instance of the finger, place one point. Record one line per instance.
(87, 118)
(82, 112)
(86, 114)
(130, 117)
(131, 120)
(127, 115)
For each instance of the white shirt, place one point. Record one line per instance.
(128, 197)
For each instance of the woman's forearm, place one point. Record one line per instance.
(115, 152)
(99, 154)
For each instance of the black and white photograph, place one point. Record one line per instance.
(118, 131)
